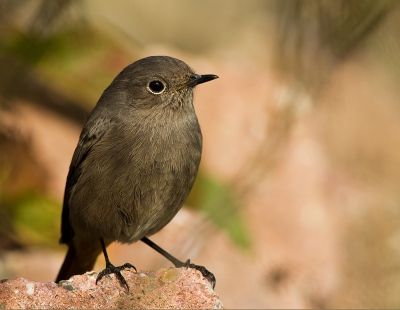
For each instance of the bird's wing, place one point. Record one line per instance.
(91, 134)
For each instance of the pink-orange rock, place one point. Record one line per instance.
(163, 289)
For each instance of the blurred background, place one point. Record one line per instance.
(297, 202)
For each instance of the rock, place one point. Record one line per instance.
(164, 288)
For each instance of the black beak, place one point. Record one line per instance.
(197, 79)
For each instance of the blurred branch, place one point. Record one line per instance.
(48, 16)
(21, 49)
(18, 58)
(314, 35)
(19, 81)
(312, 38)
(8, 8)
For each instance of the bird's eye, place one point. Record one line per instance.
(156, 87)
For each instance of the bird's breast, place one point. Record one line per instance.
(149, 170)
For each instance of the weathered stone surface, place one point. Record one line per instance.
(163, 289)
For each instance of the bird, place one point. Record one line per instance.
(134, 165)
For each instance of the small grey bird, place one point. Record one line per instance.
(134, 166)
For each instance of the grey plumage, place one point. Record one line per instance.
(136, 160)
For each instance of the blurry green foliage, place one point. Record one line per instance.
(217, 200)
(36, 218)
(28, 48)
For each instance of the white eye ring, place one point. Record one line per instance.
(156, 87)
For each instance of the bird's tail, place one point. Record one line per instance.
(81, 257)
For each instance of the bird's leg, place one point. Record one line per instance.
(110, 268)
(208, 275)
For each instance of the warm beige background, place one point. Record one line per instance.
(303, 127)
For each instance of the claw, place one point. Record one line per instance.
(206, 274)
(110, 268)
(186, 264)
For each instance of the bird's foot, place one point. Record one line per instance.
(110, 268)
(206, 274)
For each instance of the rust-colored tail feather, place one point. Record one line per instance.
(80, 258)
